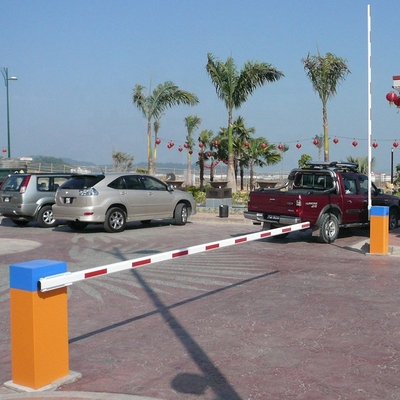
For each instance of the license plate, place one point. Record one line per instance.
(6, 199)
(273, 217)
(67, 200)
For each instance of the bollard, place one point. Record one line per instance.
(379, 230)
(39, 327)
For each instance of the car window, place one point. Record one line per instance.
(43, 183)
(313, 181)
(363, 185)
(151, 183)
(350, 185)
(12, 183)
(82, 181)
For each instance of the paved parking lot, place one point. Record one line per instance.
(271, 319)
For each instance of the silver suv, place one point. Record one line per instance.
(115, 198)
(28, 197)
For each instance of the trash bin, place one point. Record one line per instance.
(223, 211)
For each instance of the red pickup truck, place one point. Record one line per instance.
(328, 195)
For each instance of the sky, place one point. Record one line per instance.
(77, 62)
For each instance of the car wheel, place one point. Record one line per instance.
(115, 220)
(45, 217)
(20, 222)
(393, 219)
(329, 228)
(77, 225)
(181, 214)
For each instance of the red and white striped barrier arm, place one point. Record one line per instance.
(56, 281)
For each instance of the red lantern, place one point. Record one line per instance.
(395, 144)
(298, 145)
(397, 102)
(190, 152)
(375, 145)
(158, 141)
(355, 143)
(180, 148)
(216, 143)
(280, 146)
(201, 154)
(171, 144)
(336, 140)
(201, 145)
(263, 146)
(186, 145)
(391, 97)
(316, 142)
(4, 150)
(209, 154)
(246, 144)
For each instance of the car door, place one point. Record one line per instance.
(133, 196)
(160, 200)
(355, 202)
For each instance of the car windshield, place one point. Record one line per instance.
(82, 182)
(12, 183)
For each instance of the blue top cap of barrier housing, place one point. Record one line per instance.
(25, 276)
(379, 211)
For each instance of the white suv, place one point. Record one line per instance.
(116, 198)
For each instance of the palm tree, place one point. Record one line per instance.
(260, 153)
(205, 138)
(234, 88)
(241, 135)
(362, 163)
(191, 122)
(325, 73)
(153, 105)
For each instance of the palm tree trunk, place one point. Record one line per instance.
(201, 164)
(241, 177)
(326, 136)
(150, 161)
(251, 174)
(231, 167)
(189, 172)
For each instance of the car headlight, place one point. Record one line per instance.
(88, 192)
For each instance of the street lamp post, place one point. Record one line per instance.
(6, 79)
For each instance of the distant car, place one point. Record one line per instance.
(116, 198)
(26, 197)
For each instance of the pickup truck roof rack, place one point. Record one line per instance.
(335, 165)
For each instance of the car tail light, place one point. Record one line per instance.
(88, 192)
(24, 184)
(298, 206)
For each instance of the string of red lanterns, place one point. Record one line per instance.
(263, 146)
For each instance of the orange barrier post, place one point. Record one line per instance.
(39, 326)
(379, 230)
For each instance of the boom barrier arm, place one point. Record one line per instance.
(65, 279)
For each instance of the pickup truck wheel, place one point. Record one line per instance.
(393, 219)
(329, 228)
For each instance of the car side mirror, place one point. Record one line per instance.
(379, 191)
(170, 188)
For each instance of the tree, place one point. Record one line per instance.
(205, 138)
(325, 74)
(362, 163)
(121, 161)
(259, 153)
(153, 105)
(303, 159)
(192, 122)
(241, 134)
(234, 88)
